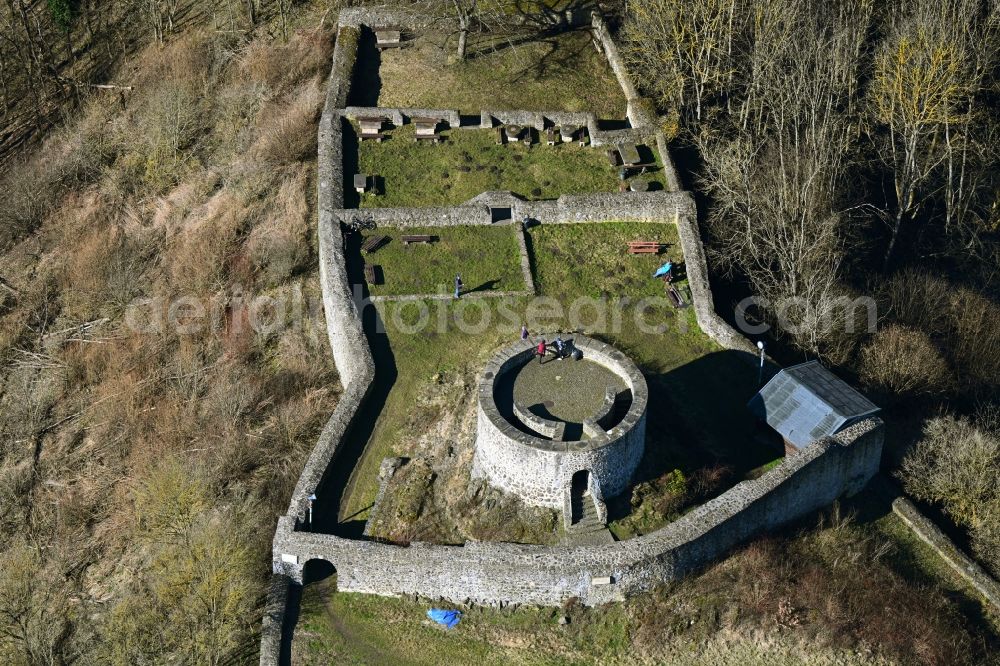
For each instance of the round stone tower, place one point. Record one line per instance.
(562, 430)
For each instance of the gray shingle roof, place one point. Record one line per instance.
(807, 402)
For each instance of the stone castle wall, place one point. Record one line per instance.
(401, 115)
(541, 476)
(500, 573)
(658, 207)
(347, 339)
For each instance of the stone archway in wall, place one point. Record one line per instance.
(579, 493)
(316, 570)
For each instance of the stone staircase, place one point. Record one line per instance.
(586, 528)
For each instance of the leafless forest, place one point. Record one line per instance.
(849, 149)
(839, 150)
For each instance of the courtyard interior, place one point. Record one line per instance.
(487, 258)
(469, 161)
(560, 388)
(554, 71)
(428, 353)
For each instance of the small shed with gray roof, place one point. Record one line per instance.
(807, 402)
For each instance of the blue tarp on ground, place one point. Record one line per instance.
(664, 269)
(448, 618)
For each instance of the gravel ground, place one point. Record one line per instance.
(575, 389)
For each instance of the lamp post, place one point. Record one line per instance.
(760, 372)
(312, 498)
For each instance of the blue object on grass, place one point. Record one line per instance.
(448, 618)
(664, 269)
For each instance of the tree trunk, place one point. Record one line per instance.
(463, 39)
(88, 23)
(70, 53)
(897, 224)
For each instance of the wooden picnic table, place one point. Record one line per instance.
(675, 297)
(629, 153)
(417, 238)
(644, 247)
(373, 243)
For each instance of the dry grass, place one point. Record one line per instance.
(546, 72)
(287, 127)
(833, 587)
(148, 466)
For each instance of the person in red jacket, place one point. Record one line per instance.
(541, 351)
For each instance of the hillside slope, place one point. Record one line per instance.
(145, 450)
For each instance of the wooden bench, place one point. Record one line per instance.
(416, 239)
(370, 273)
(675, 297)
(426, 129)
(612, 157)
(550, 136)
(500, 136)
(373, 243)
(644, 247)
(387, 38)
(371, 127)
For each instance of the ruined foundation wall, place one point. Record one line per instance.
(499, 573)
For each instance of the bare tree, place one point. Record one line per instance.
(925, 80)
(775, 213)
(688, 45)
(904, 362)
(33, 608)
(956, 464)
(467, 16)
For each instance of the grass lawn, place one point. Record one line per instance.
(360, 629)
(469, 162)
(486, 257)
(698, 392)
(432, 354)
(697, 414)
(547, 73)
